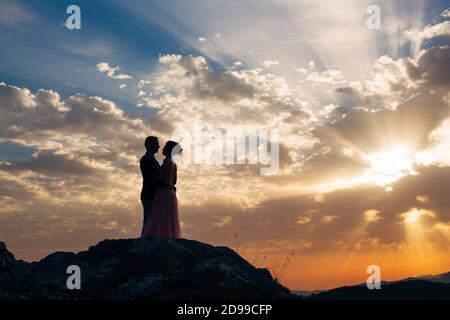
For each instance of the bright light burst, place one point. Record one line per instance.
(414, 215)
(388, 166)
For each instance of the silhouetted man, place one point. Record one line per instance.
(151, 173)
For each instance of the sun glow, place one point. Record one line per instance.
(414, 215)
(388, 166)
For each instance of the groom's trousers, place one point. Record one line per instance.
(147, 205)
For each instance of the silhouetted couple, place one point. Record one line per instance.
(158, 194)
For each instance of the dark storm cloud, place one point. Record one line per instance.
(367, 130)
(432, 67)
(49, 163)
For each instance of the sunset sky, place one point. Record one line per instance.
(363, 116)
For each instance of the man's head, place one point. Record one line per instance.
(152, 144)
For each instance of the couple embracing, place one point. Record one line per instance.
(158, 194)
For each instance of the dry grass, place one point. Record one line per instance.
(278, 270)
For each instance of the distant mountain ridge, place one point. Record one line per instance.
(442, 278)
(435, 287)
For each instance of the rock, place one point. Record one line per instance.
(140, 269)
(7, 260)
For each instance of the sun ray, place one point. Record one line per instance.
(387, 166)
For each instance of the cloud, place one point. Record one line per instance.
(15, 101)
(343, 146)
(347, 90)
(13, 14)
(395, 81)
(44, 120)
(111, 72)
(431, 67)
(334, 77)
(90, 49)
(50, 163)
(338, 152)
(202, 81)
(269, 63)
(439, 152)
(334, 222)
(301, 70)
(360, 126)
(430, 31)
(191, 89)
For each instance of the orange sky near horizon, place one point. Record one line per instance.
(327, 271)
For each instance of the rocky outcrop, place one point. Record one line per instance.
(140, 269)
(7, 260)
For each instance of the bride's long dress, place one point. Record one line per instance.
(164, 221)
